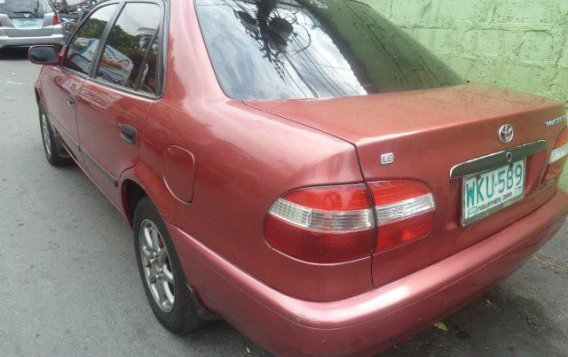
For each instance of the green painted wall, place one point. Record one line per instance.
(518, 44)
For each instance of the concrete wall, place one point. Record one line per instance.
(518, 44)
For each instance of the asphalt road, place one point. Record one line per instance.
(70, 286)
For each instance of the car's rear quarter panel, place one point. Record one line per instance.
(244, 161)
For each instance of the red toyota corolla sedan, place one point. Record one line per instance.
(300, 168)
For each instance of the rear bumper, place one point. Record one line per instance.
(377, 319)
(54, 39)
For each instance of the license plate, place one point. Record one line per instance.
(488, 192)
(28, 22)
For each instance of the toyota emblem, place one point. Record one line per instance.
(506, 133)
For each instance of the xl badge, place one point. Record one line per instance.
(387, 159)
(506, 133)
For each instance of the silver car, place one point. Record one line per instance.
(29, 22)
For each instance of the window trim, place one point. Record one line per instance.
(161, 52)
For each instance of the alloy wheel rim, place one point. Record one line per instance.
(45, 134)
(156, 265)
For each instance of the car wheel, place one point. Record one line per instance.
(160, 270)
(54, 152)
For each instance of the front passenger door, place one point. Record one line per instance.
(64, 82)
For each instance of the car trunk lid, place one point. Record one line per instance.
(429, 132)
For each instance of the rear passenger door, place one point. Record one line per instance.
(113, 103)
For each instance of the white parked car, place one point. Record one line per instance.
(29, 22)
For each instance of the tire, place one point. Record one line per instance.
(54, 151)
(179, 316)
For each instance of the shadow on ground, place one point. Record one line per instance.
(500, 324)
(18, 53)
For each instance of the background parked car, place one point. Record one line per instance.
(31, 22)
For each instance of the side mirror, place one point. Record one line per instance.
(43, 55)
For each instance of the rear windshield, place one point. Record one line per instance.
(290, 49)
(25, 8)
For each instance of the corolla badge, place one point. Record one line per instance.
(506, 133)
(556, 121)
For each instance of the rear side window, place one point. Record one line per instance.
(83, 47)
(268, 49)
(24, 8)
(131, 49)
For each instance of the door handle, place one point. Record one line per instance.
(128, 133)
(71, 102)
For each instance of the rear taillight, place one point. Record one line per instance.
(56, 19)
(322, 224)
(404, 212)
(558, 157)
(339, 223)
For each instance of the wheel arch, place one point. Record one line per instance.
(131, 193)
(38, 92)
(141, 181)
